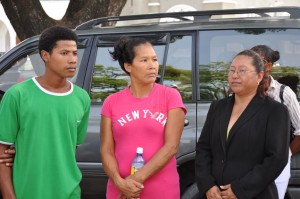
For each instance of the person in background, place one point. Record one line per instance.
(272, 88)
(147, 115)
(45, 118)
(243, 137)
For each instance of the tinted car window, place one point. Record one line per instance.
(20, 70)
(218, 47)
(26, 67)
(178, 71)
(108, 77)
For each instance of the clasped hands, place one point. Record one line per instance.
(224, 193)
(130, 188)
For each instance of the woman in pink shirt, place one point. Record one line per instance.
(147, 115)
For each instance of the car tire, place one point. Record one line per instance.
(191, 192)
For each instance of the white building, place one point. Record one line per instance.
(8, 37)
(57, 8)
(7, 33)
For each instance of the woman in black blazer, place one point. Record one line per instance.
(244, 143)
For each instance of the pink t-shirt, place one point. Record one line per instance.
(140, 122)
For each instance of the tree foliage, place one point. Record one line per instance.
(28, 17)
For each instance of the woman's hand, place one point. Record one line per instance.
(7, 157)
(129, 188)
(227, 193)
(214, 193)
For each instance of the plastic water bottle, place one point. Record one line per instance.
(138, 161)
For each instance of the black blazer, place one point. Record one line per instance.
(254, 154)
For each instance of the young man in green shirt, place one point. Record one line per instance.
(45, 117)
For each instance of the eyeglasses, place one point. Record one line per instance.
(240, 72)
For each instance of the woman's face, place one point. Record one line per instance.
(144, 67)
(268, 67)
(242, 76)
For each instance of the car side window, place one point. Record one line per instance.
(178, 70)
(218, 47)
(108, 77)
(26, 67)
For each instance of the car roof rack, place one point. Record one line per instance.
(198, 15)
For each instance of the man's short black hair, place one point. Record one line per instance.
(51, 35)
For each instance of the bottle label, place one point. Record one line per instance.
(135, 168)
(132, 170)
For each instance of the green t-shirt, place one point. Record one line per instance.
(45, 128)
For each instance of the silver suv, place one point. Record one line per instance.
(193, 51)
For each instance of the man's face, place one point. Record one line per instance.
(62, 61)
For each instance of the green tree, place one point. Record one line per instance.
(28, 17)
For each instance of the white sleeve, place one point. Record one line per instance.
(290, 100)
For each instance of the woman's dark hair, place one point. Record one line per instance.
(50, 36)
(270, 56)
(258, 63)
(267, 53)
(124, 49)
